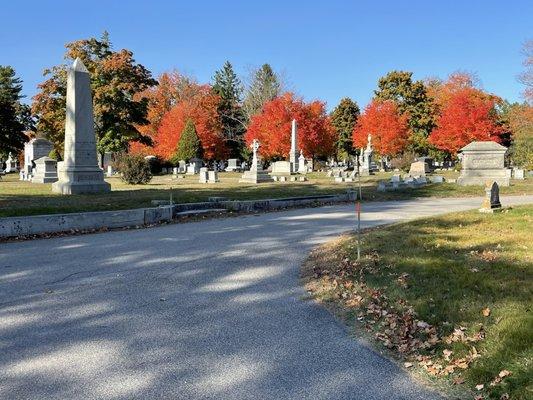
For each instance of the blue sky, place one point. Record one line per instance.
(325, 49)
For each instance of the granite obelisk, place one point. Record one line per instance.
(79, 172)
(293, 155)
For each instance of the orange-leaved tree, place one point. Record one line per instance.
(172, 88)
(467, 114)
(272, 127)
(201, 109)
(388, 127)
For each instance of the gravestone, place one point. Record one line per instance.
(233, 165)
(518, 173)
(293, 153)
(302, 168)
(281, 168)
(109, 172)
(203, 175)
(194, 166)
(418, 168)
(45, 170)
(34, 149)
(256, 173)
(482, 161)
(212, 176)
(367, 166)
(491, 203)
(182, 167)
(11, 164)
(79, 173)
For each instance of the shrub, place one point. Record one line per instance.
(135, 169)
(403, 162)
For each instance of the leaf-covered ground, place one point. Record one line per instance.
(450, 296)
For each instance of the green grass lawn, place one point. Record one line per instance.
(25, 198)
(451, 296)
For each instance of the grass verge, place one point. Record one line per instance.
(24, 198)
(450, 296)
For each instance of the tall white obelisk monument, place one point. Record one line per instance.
(79, 172)
(293, 155)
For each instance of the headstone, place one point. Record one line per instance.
(212, 176)
(367, 166)
(293, 154)
(491, 203)
(382, 187)
(11, 164)
(22, 175)
(34, 149)
(233, 165)
(182, 166)
(109, 173)
(437, 179)
(194, 166)
(256, 173)
(175, 170)
(203, 175)
(302, 169)
(79, 173)
(45, 170)
(418, 168)
(518, 173)
(482, 161)
(281, 168)
(395, 178)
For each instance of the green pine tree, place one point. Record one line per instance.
(228, 86)
(344, 117)
(189, 145)
(411, 97)
(265, 86)
(15, 117)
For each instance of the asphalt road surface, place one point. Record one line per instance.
(204, 310)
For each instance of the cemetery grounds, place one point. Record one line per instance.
(18, 198)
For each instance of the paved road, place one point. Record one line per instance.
(207, 310)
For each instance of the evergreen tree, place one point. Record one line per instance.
(189, 145)
(344, 117)
(228, 86)
(412, 99)
(15, 117)
(264, 87)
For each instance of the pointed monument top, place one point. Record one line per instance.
(78, 66)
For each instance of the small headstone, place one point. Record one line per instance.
(109, 173)
(302, 178)
(233, 165)
(395, 178)
(491, 203)
(418, 168)
(281, 168)
(204, 177)
(437, 179)
(182, 166)
(212, 176)
(518, 173)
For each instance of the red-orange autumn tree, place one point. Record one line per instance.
(388, 127)
(272, 127)
(202, 110)
(172, 88)
(466, 115)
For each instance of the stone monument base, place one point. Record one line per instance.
(480, 177)
(255, 177)
(79, 180)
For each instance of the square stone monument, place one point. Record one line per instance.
(33, 150)
(45, 170)
(79, 173)
(483, 161)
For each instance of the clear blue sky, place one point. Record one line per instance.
(326, 49)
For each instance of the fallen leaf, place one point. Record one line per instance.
(407, 365)
(503, 373)
(486, 312)
(480, 386)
